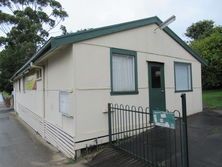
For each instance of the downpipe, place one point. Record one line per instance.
(43, 85)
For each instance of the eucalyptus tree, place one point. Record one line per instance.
(24, 26)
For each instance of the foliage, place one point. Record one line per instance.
(209, 44)
(26, 25)
(64, 30)
(211, 49)
(213, 98)
(200, 29)
(6, 95)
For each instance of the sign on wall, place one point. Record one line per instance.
(164, 119)
(30, 82)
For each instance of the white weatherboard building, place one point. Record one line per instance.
(62, 92)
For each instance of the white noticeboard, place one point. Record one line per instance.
(164, 119)
(65, 103)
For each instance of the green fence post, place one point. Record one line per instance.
(110, 123)
(185, 135)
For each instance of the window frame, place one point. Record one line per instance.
(191, 80)
(38, 74)
(124, 53)
(24, 81)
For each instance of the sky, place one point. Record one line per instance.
(97, 13)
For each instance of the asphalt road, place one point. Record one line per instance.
(205, 139)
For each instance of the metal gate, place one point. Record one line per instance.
(130, 130)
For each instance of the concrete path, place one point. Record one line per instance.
(20, 148)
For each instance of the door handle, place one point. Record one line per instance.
(162, 90)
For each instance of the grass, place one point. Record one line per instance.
(6, 95)
(70, 161)
(213, 98)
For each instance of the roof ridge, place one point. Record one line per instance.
(55, 42)
(104, 27)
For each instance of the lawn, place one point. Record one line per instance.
(213, 98)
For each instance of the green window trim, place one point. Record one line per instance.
(191, 80)
(126, 53)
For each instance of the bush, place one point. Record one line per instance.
(7, 98)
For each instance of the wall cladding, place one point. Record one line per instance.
(57, 137)
(51, 133)
(31, 119)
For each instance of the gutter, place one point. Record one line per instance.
(21, 74)
(44, 48)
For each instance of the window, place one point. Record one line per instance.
(23, 84)
(156, 80)
(123, 72)
(39, 74)
(29, 81)
(19, 83)
(183, 78)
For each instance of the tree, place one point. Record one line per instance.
(26, 25)
(200, 29)
(209, 44)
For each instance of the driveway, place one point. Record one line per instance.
(205, 139)
(205, 144)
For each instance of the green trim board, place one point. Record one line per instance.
(125, 53)
(56, 42)
(45, 48)
(185, 46)
(191, 79)
(98, 32)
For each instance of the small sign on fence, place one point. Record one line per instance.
(164, 119)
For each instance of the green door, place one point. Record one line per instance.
(156, 86)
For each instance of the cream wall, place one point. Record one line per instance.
(59, 77)
(29, 99)
(83, 70)
(29, 104)
(92, 74)
(40, 108)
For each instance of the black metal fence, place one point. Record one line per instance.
(130, 130)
